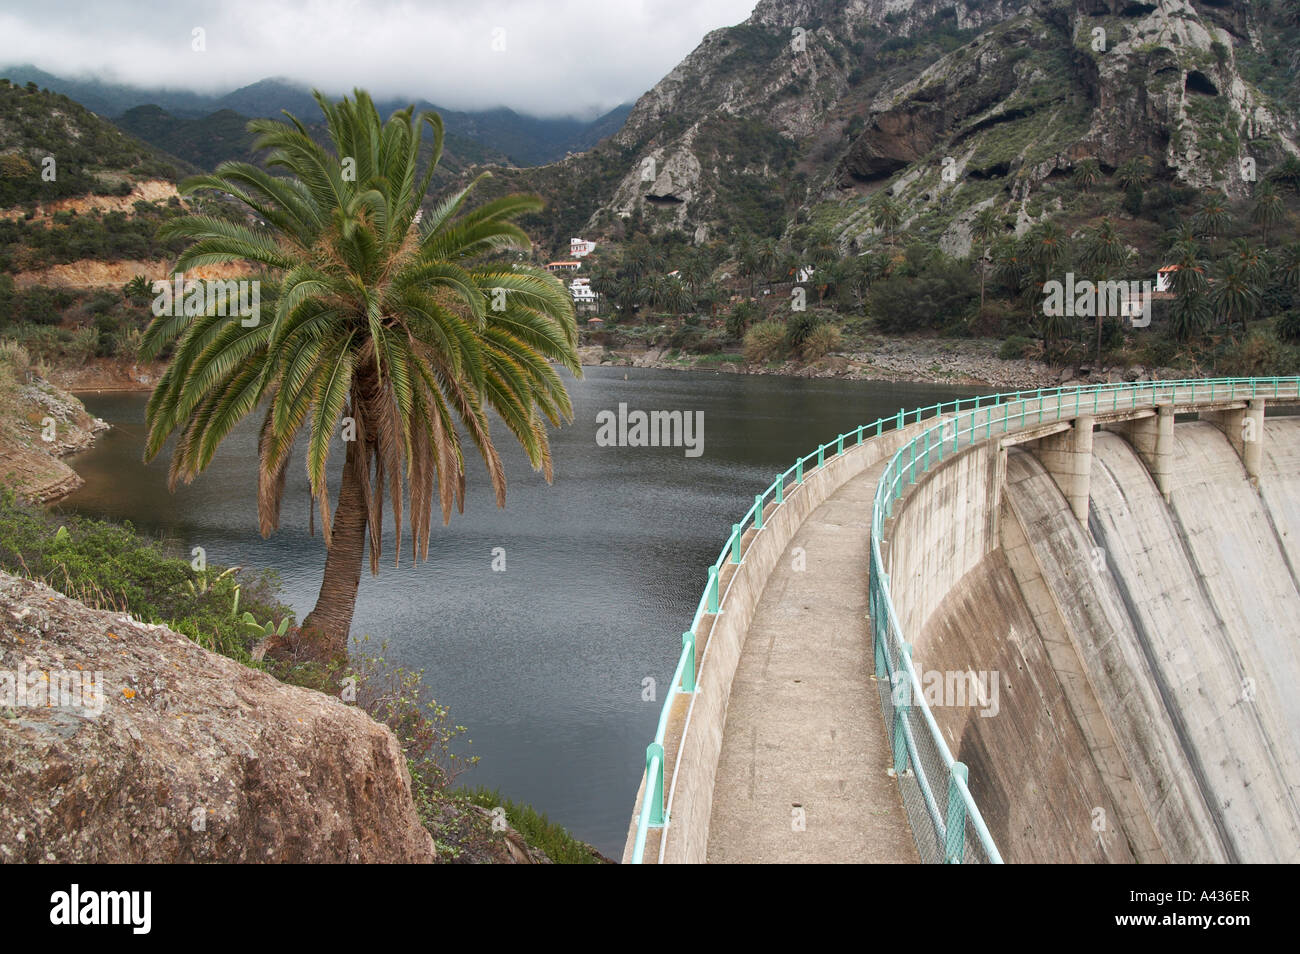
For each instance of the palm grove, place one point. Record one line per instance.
(407, 324)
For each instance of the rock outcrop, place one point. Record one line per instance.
(39, 425)
(153, 749)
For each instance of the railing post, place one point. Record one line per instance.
(900, 417)
(860, 429)
(654, 782)
(688, 672)
(712, 604)
(901, 708)
(780, 488)
(912, 476)
(955, 841)
(758, 511)
(798, 471)
(839, 446)
(821, 455)
(735, 542)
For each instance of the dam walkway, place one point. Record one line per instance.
(814, 785)
(797, 727)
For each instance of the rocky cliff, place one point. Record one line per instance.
(130, 743)
(811, 106)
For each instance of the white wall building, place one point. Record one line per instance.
(580, 247)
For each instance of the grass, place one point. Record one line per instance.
(538, 830)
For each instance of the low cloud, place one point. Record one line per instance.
(546, 57)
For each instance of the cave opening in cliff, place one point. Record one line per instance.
(1198, 82)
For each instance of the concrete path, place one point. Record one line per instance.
(804, 729)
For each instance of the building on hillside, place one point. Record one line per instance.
(580, 289)
(563, 266)
(580, 247)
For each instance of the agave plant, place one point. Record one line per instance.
(398, 319)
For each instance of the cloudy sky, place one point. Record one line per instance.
(548, 57)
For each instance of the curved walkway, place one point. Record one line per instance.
(804, 729)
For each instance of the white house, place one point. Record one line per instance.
(580, 289)
(580, 247)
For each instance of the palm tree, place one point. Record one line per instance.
(403, 328)
(712, 294)
(1104, 251)
(886, 215)
(676, 296)
(1049, 246)
(695, 270)
(1189, 316)
(1252, 259)
(1236, 295)
(1288, 173)
(766, 255)
(1289, 266)
(1268, 209)
(654, 290)
(1087, 174)
(1133, 173)
(1190, 277)
(1212, 218)
(986, 225)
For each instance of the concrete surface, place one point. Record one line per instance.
(804, 729)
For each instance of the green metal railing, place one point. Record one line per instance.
(953, 831)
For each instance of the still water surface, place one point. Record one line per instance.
(543, 662)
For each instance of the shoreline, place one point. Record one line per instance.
(951, 361)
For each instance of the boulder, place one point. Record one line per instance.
(154, 749)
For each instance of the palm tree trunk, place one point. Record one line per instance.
(331, 620)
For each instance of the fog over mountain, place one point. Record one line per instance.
(559, 58)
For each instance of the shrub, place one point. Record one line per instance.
(820, 342)
(111, 567)
(1288, 326)
(739, 318)
(1015, 348)
(765, 342)
(798, 327)
(537, 830)
(1259, 355)
(942, 293)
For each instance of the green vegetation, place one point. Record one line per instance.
(91, 157)
(71, 236)
(108, 566)
(537, 830)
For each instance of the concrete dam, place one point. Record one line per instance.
(1049, 626)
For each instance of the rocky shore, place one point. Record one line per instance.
(39, 426)
(928, 361)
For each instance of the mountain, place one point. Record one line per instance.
(52, 148)
(207, 141)
(810, 107)
(481, 136)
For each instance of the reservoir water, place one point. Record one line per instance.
(544, 661)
